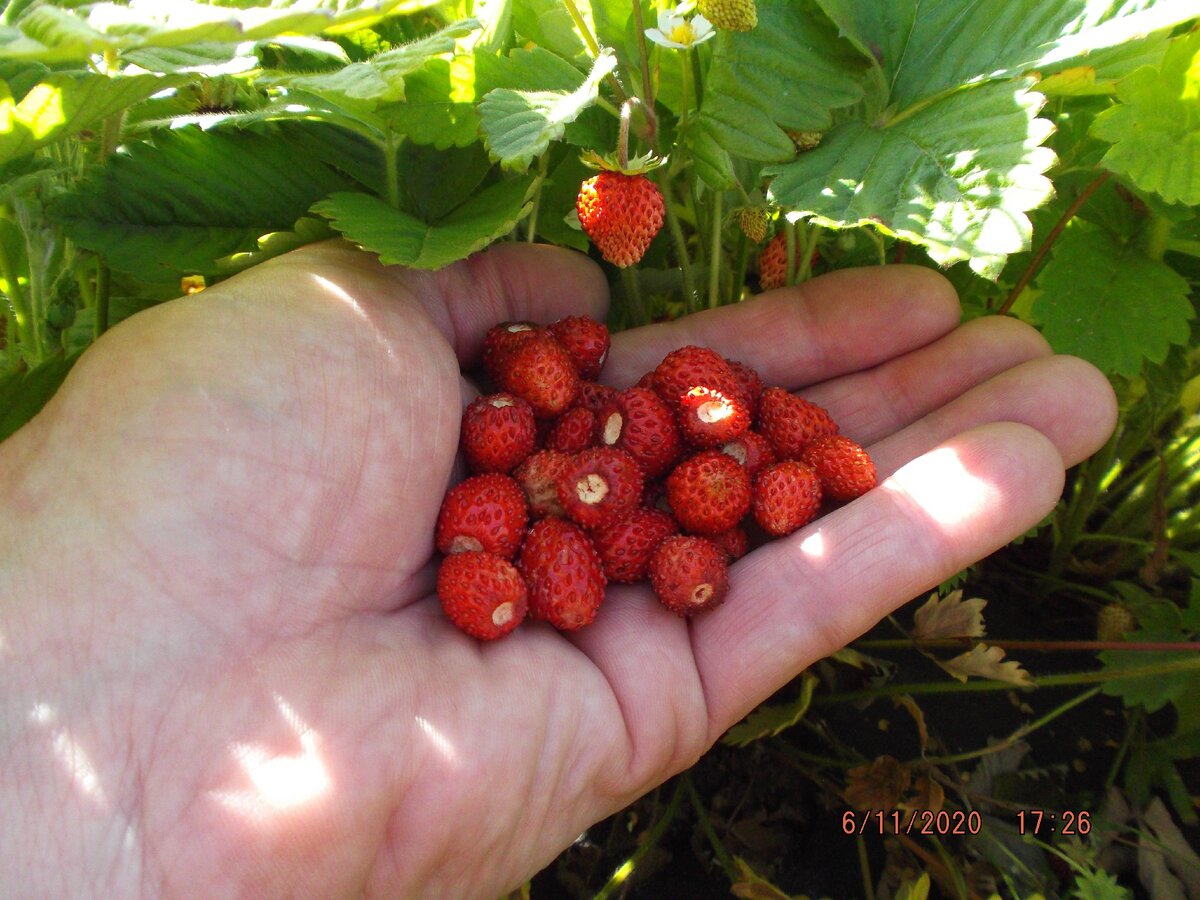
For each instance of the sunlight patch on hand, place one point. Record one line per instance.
(813, 546)
(70, 754)
(341, 294)
(278, 782)
(942, 487)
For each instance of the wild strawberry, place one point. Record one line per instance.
(595, 396)
(754, 222)
(497, 432)
(621, 214)
(642, 425)
(1114, 621)
(750, 382)
(600, 486)
(538, 477)
(709, 493)
(625, 547)
(791, 423)
(689, 574)
(709, 418)
(689, 367)
(563, 573)
(844, 467)
(735, 542)
(572, 432)
(787, 495)
(484, 512)
(483, 594)
(538, 369)
(772, 263)
(586, 340)
(500, 339)
(752, 450)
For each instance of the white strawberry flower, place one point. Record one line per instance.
(677, 31)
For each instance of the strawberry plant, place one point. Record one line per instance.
(1043, 154)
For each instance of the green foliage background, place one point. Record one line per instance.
(1044, 153)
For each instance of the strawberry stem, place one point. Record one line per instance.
(714, 266)
(593, 46)
(623, 138)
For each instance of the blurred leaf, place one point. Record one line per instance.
(23, 394)
(983, 661)
(204, 57)
(949, 617)
(519, 125)
(752, 886)
(53, 34)
(768, 721)
(1180, 857)
(401, 239)
(1108, 302)
(1096, 884)
(62, 105)
(189, 197)
(1152, 692)
(1155, 128)
(914, 890)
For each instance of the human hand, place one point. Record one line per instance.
(228, 665)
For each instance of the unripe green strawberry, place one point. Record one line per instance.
(621, 214)
(754, 222)
(729, 15)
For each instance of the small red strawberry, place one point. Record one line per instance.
(689, 367)
(772, 263)
(483, 594)
(790, 423)
(752, 450)
(538, 369)
(586, 340)
(709, 493)
(563, 573)
(484, 512)
(621, 214)
(750, 382)
(595, 396)
(500, 339)
(735, 541)
(709, 418)
(538, 476)
(573, 431)
(497, 432)
(601, 485)
(844, 467)
(689, 574)
(642, 425)
(625, 547)
(787, 495)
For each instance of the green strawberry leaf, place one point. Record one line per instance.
(1158, 689)
(955, 176)
(768, 721)
(1155, 128)
(519, 125)
(380, 79)
(1106, 301)
(433, 111)
(190, 197)
(61, 105)
(787, 73)
(402, 239)
(53, 34)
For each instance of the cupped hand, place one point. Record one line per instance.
(230, 672)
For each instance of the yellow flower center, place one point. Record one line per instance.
(683, 33)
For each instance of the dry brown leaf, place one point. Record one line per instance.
(983, 661)
(949, 617)
(927, 795)
(878, 785)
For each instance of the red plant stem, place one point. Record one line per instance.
(1036, 262)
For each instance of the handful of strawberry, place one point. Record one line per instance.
(669, 480)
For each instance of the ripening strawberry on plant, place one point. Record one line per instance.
(620, 209)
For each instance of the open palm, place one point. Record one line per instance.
(224, 607)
